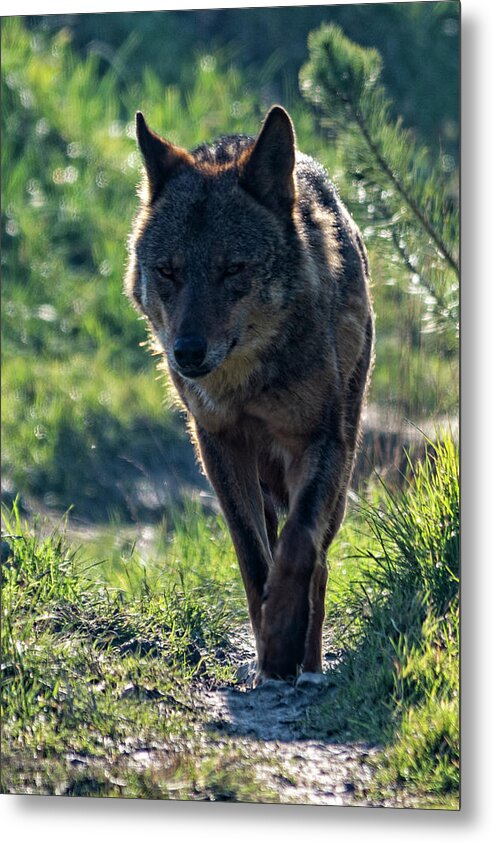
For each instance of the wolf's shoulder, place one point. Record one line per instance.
(322, 210)
(314, 184)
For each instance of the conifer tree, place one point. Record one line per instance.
(405, 201)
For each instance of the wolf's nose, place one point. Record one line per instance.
(190, 351)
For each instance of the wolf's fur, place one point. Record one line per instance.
(245, 246)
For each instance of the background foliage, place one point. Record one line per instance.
(70, 87)
(417, 42)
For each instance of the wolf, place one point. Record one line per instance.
(255, 283)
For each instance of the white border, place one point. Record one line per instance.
(33, 7)
(42, 818)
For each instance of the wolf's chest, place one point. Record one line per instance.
(286, 413)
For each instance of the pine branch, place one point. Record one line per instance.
(356, 69)
(383, 164)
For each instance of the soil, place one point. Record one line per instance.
(268, 724)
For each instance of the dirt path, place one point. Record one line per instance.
(268, 726)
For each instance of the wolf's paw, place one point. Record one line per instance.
(307, 680)
(274, 686)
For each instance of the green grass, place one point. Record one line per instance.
(104, 649)
(100, 662)
(394, 604)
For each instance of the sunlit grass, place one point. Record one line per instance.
(188, 549)
(394, 606)
(100, 659)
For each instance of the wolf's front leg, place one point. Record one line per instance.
(230, 461)
(293, 603)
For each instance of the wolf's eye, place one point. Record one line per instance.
(233, 269)
(165, 270)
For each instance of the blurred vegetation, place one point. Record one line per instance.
(418, 43)
(83, 420)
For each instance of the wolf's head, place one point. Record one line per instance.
(214, 245)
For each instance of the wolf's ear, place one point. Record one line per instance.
(268, 171)
(161, 158)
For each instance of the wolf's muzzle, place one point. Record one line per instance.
(190, 351)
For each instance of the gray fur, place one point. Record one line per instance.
(246, 244)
